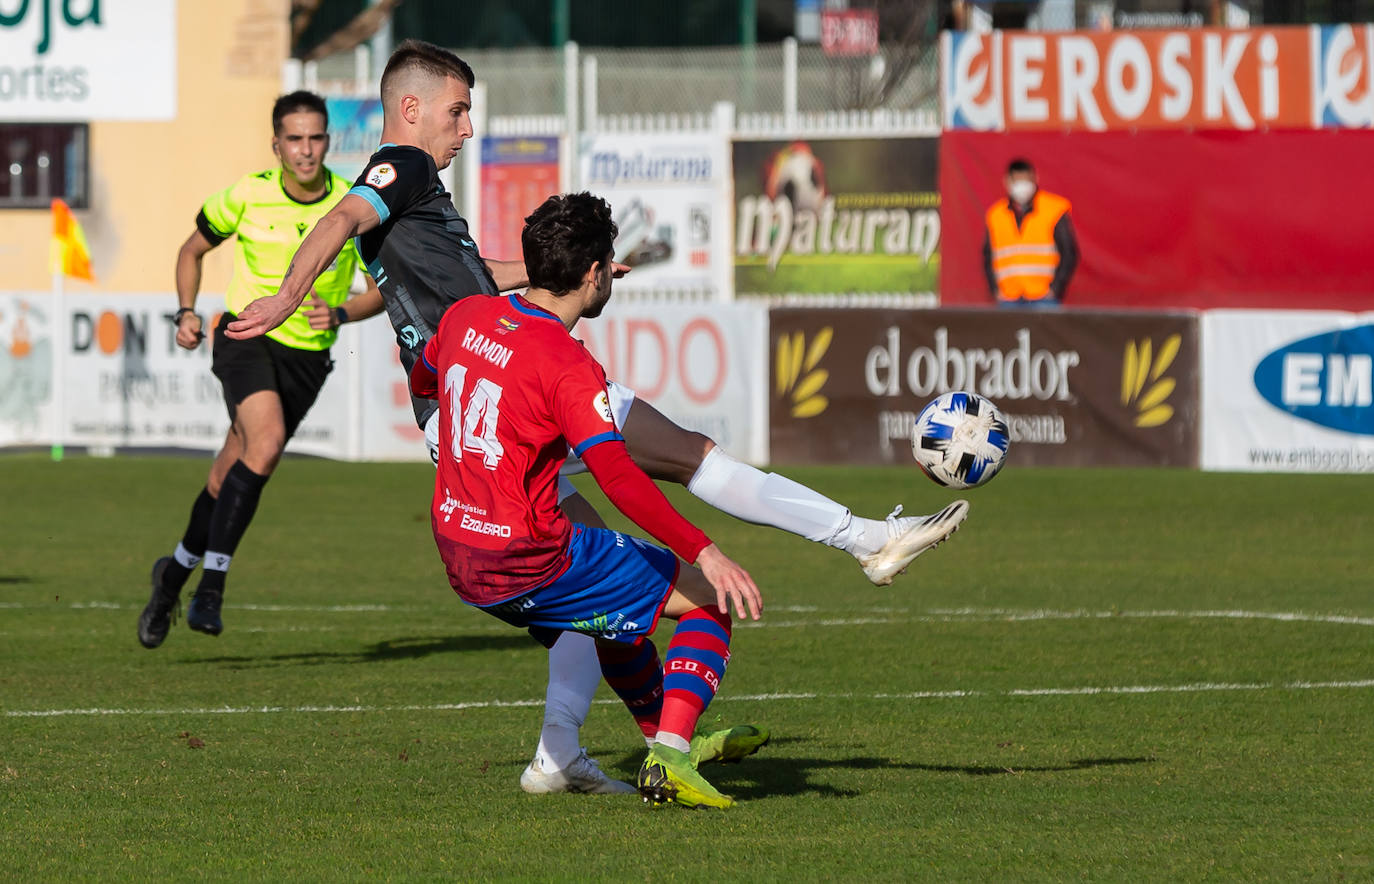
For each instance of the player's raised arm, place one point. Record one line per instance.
(352, 216)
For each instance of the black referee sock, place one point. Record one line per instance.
(238, 500)
(192, 542)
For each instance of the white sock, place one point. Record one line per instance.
(185, 558)
(673, 741)
(574, 674)
(217, 561)
(769, 499)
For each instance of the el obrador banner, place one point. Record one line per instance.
(88, 60)
(1078, 388)
(836, 216)
(668, 196)
(1288, 391)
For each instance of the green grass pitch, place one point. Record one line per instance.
(1106, 675)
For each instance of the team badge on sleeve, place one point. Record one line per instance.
(602, 405)
(381, 175)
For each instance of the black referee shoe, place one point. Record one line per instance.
(157, 617)
(203, 613)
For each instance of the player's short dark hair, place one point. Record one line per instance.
(564, 237)
(433, 60)
(297, 102)
(1020, 164)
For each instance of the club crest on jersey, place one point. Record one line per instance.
(381, 175)
(602, 406)
(505, 325)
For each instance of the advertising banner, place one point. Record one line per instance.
(355, 131)
(1288, 391)
(387, 429)
(518, 173)
(699, 364)
(1078, 388)
(111, 60)
(127, 383)
(1178, 219)
(1201, 78)
(836, 216)
(667, 193)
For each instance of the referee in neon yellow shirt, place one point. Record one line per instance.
(269, 382)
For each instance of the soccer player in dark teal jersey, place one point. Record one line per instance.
(426, 97)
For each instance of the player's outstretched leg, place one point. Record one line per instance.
(883, 547)
(560, 763)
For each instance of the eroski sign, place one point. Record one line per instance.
(1327, 379)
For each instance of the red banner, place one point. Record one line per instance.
(518, 174)
(1177, 219)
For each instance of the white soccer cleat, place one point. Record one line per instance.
(910, 536)
(583, 775)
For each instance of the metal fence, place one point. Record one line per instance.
(765, 79)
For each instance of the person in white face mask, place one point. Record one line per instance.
(1030, 251)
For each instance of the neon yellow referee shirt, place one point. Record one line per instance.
(270, 226)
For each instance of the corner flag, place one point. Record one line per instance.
(68, 255)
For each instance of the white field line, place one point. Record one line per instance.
(892, 615)
(324, 609)
(995, 614)
(1205, 687)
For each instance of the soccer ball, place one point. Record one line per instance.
(796, 173)
(960, 440)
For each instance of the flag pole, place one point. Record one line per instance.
(59, 346)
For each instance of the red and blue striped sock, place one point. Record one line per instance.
(636, 676)
(695, 663)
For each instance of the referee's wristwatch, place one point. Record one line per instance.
(340, 316)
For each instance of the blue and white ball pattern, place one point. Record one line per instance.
(960, 440)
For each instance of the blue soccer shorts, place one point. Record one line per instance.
(615, 588)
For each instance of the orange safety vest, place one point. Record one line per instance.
(1024, 258)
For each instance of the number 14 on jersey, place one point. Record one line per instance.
(473, 428)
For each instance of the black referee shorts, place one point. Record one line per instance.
(247, 367)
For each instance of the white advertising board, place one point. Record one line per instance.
(127, 383)
(88, 60)
(669, 194)
(1288, 391)
(702, 365)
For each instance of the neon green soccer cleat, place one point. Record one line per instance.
(669, 775)
(729, 745)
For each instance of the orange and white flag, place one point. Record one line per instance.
(68, 253)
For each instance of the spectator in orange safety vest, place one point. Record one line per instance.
(1030, 250)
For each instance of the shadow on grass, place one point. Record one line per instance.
(764, 776)
(391, 649)
(15, 579)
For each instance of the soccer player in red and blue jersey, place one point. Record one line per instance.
(516, 392)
